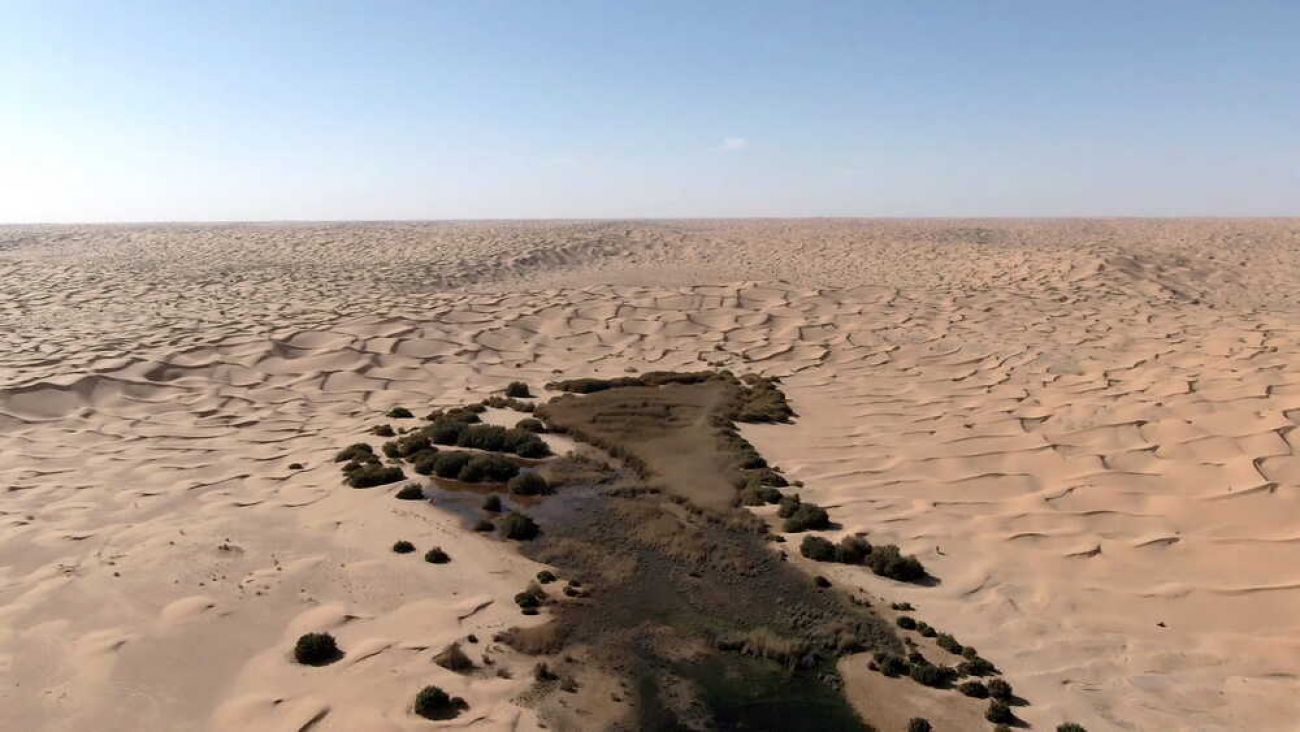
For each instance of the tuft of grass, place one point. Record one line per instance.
(357, 451)
(1070, 727)
(436, 556)
(484, 526)
(399, 413)
(402, 546)
(906, 622)
(316, 649)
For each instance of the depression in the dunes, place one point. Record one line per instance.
(853, 367)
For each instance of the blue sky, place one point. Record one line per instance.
(142, 111)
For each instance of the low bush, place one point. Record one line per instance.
(492, 503)
(449, 463)
(434, 703)
(519, 526)
(383, 430)
(1070, 727)
(529, 484)
(817, 549)
(807, 516)
(484, 526)
(399, 413)
(373, 474)
(436, 556)
(949, 644)
(974, 689)
(852, 549)
(411, 492)
(758, 495)
(358, 451)
(890, 664)
(546, 577)
(999, 713)
(977, 666)
(999, 689)
(917, 724)
(296, 466)
(925, 630)
(316, 649)
(531, 424)
(887, 561)
(518, 390)
(402, 546)
(906, 622)
(423, 461)
(928, 674)
(488, 469)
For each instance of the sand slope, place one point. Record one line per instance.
(1084, 428)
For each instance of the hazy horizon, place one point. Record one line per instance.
(148, 112)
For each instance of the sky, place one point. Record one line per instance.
(241, 111)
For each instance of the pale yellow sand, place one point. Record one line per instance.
(1083, 428)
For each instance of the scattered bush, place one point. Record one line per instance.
(817, 549)
(448, 464)
(928, 674)
(758, 495)
(974, 689)
(807, 516)
(383, 430)
(519, 526)
(423, 462)
(787, 505)
(999, 713)
(532, 597)
(411, 492)
(408, 445)
(358, 451)
(531, 424)
(402, 546)
(445, 431)
(917, 724)
(399, 413)
(316, 649)
(484, 526)
(373, 474)
(999, 689)
(906, 622)
(852, 549)
(492, 504)
(1070, 727)
(436, 556)
(296, 466)
(518, 390)
(529, 484)
(925, 630)
(890, 664)
(487, 469)
(949, 644)
(434, 703)
(977, 667)
(887, 561)
(546, 577)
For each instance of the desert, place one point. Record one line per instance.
(1081, 428)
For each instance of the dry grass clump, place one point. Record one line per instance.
(764, 643)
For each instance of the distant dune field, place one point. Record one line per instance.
(1085, 429)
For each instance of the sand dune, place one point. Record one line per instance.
(1083, 428)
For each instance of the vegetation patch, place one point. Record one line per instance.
(316, 649)
(434, 703)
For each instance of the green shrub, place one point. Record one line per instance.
(925, 630)
(434, 703)
(518, 390)
(402, 546)
(373, 474)
(436, 556)
(445, 431)
(852, 549)
(890, 664)
(817, 549)
(411, 492)
(532, 597)
(787, 505)
(531, 424)
(977, 667)
(887, 561)
(487, 469)
(928, 674)
(529, 484)
(492, 503)
(448, 463)
(906, 622)
(399, 413)
(519, 526)
(807, 516)
(949, 644)
(999, 689)
(999, 713)
(917, 724)
(316, 649)
(974, 689)
(423, 461)
(358, 451)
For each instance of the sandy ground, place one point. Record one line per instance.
(1083, 428)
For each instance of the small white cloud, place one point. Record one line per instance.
(732, 144)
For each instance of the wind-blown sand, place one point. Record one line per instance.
(1083, 428)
